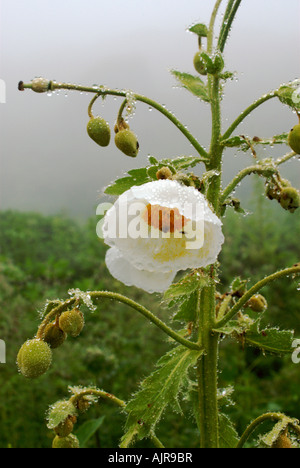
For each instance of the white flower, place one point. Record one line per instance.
(157, 229)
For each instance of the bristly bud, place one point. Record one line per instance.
(72, 322)
(99, 131)
(289, 199)
(257, 303)
(164, 173)
(294, 139)
(34, 358)
(65, 428)
(54, 336)
(69, 442)
(127, 142)
(40, 85)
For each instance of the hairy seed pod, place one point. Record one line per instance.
(83, 405)
(65, 428)
(54, 336)
(126, 141)
(99, 131)
(294, 139)
(34, 358)
(69, 442)
(164, 173)
(258, 303)
(72, 322)
(289, 199)
(200, 64)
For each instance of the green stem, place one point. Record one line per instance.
(90, 113)
(101, 91)
(96, 295)
(285, 158)
(227, 23)
(257, 287)
(100, 394)
(109, 397)
(207, 372)
(210, 37)
(246, 112)
(258, 169)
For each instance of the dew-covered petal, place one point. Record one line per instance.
(124, 271)
(196, 244)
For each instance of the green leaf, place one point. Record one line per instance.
(234, 142)
(199, 29)
(228, 436)
(187, 309)
(192, 83)
(136, 177)
(59, 412)
(183, 162)
(159, 390)
(87, 430)
(270, 438)
(289, 94)
(231, 328)
(270, 340)
(186, 286)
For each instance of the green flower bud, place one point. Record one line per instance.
(257, 303)
(164, 173)
(69, 442)
(65, 428)
(40, 85)
(294, 139)
(99, 131)
(290, 199)
(127, 142)
(72, 322)
(34, 358)
(200, 64)
(54, 336)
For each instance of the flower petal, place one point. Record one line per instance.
(148, 248)
(125, 272)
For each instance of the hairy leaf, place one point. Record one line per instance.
(136, 177)
(160, 389)
(270, 340)
(289, 94)
(192, 83)
(228, 436)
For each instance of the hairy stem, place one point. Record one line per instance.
(210, 37)
(246, 112)
(227, 24)
(102, 91)
(257, 287)
(207, 372)
(96, 295)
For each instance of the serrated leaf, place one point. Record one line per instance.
(59, 412)
(135, 177)
(270, 340)
(233, 142)
(199, 29)
(87, 430)
(183, 162)
(186, 286)
(230, 328)
(159, 390)
(228, 436)
(187, 309)
(192, 83)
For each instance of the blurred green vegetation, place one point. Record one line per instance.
(42, 257)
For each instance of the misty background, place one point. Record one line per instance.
(49, 164)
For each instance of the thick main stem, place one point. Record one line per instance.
(207, 372)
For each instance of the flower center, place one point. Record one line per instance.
(163, 218)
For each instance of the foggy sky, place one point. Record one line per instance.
(49, 164)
